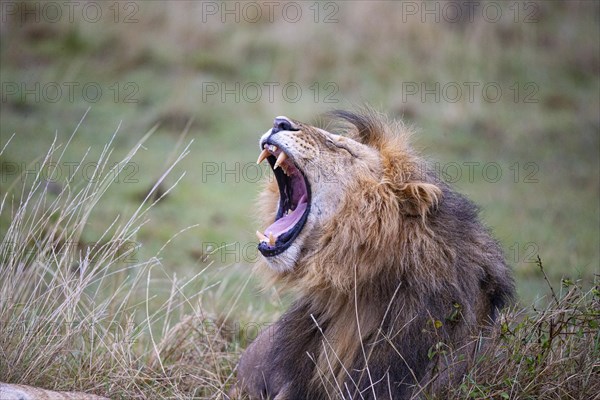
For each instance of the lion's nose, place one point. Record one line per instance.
(283, 124)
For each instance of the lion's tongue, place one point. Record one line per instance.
(286, 222)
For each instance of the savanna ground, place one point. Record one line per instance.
(505, 99)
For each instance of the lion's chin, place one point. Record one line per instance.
(284, 261)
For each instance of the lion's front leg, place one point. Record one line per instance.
(277, 364)
(255, 370)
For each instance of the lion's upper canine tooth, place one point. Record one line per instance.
(263, 154)
(281, 158)
(261, 237)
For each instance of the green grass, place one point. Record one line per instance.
(167, 57)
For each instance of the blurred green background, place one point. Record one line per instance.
(504, 97)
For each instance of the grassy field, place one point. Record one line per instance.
(504, 99)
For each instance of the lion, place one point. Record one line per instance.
(394, 274)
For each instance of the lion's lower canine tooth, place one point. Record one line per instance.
(282, 157)
(263, 154)
(261, 237)
(271, 239)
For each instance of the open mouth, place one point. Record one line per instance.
(294, 202)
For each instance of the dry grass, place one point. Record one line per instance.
(89, 316)
(548, 353)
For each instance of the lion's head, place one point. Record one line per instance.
(338, 198)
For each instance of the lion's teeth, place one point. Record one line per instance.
(272, 148)
(261, 237)
(281, 158)
(269, 240)
(263, 154)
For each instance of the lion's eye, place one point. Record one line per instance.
(330, 143)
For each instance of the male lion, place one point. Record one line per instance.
(394, 273)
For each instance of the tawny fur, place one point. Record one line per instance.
(390, 263)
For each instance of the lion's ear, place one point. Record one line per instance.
(417, 198)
